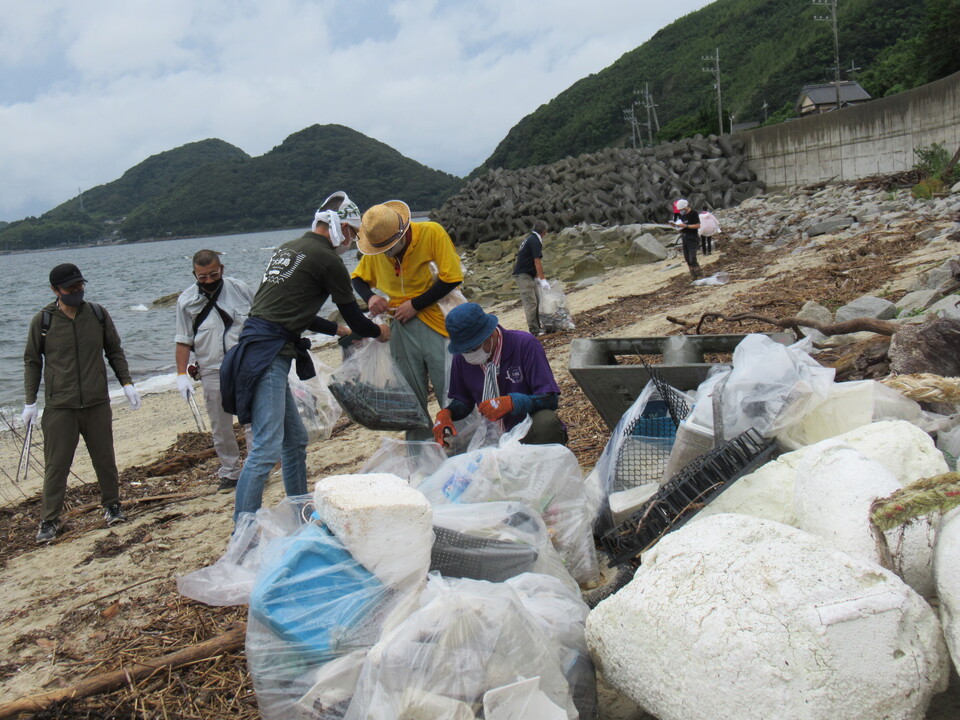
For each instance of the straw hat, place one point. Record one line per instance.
(382, 227)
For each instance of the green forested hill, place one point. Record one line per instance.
(769, 49)
(212, 187)
(285, 186)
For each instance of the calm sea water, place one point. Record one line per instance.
(125, 279)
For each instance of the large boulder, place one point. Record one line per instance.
(831, 224)
(489, 251)
(741, 618)
(647, 249)
(947, 308)
(917, 300)
(933, 347)
(867, 306)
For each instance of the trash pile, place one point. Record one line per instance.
(458, 598)
(806, 583)
(782, 540)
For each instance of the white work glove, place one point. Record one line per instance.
(185, 386)
(30, 413)
(133, 397)
(544, 285)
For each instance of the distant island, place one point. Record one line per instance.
(213, 188)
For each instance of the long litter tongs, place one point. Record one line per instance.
(198, 418)
(24, 463)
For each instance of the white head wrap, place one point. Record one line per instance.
(332, 220)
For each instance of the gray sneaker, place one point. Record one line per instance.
(113, 514)
(48, 531)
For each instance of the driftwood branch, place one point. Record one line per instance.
(88, 507)
(881, 327)
(107, 682)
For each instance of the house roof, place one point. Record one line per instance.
(826, 94)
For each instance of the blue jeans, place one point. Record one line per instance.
(278, 434)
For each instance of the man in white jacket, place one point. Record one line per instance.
(210, 315)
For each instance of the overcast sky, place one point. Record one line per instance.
(89, 88)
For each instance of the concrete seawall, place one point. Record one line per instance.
(877, 137)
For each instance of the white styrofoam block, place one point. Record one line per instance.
(946, 562)
(383, 522)
(739, 617)
(833, 492)
(901, 447)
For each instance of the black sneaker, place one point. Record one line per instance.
(48, 531)
(227, 485)
(113, 514)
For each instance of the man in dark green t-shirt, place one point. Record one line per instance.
(299, 278)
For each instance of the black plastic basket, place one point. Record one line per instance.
(458, 555)
(685, 494)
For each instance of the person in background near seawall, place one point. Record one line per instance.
(299, 278)
(397, 257)
(210, 315)
(66, 344)
(524, 380)
(689, 224)
(528, 271)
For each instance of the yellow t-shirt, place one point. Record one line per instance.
(406, 279)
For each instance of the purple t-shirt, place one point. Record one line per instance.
(523, 369)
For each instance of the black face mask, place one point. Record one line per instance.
(210, 287)
(72, 299)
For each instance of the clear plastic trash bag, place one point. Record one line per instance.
(316, 405)
(412, 460)
(230, 579)
(770, 387)
(373, 392)
(312, 603)
(467, 638)
(633, 462)
(554, 312)
(546, 478)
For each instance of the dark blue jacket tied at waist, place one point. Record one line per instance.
(260, 342)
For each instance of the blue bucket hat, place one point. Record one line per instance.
(468, 326)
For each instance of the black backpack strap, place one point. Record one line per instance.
(98, 311)
(208, 308)
(44, 329)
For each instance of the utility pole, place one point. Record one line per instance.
(732, 117)
(832, 5)
(648, 102)
(716, 83)
(765, 106)
(852, 72)
(80, 193)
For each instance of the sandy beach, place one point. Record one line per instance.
(56, 613)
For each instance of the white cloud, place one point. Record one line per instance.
(100, 85)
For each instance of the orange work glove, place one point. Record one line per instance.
(442, 426)
(496, 408)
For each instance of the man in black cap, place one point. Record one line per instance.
(66, 344)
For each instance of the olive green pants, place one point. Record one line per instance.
(421, 354)
(547, 429)
(62, 429)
